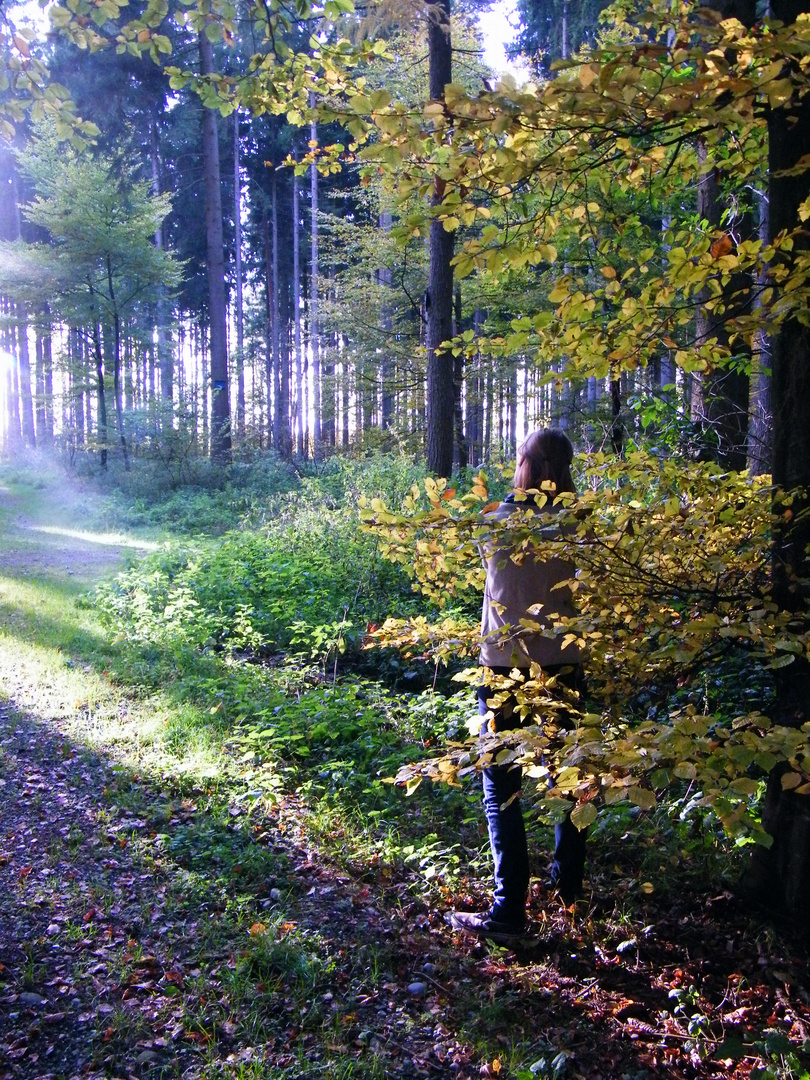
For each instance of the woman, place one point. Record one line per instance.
(513, 586)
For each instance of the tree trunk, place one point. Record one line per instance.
(760, 418)
(39, 390)
(220, 402)
(119, 409)
(511, 410)
(720, 397)
(384, 280)
(26, 397)
(202, 340)
(296, 299)
(88, 397)
(617, 433)
(13, 431)
(344, 393)
(462, 453)
(781, 875)
(101, 396)
(789, 134)
(76, 367)
(328, 407)
(240, 319)
(439, 298)
(314, 273)
(490, 398)
(475, 399)
(268, 303)
(164, 344)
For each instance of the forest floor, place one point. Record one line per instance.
(130, 948)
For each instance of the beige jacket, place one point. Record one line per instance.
(514, 586)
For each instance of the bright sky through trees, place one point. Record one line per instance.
(498, 26)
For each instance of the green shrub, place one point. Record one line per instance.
(255, 590)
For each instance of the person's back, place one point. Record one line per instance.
(523, 587)
(524, 591)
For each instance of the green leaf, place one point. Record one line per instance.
(642, 797)
(583, 815)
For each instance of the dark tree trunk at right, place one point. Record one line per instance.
(781, 875)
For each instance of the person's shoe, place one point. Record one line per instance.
(482, 925)
(567, 893)
(567, 889)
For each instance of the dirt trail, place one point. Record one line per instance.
(47, 532)
(68, 889)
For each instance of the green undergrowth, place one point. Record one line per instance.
(242, 658)
(240, 661)
(226, 674)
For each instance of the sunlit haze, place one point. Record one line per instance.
(115, 539)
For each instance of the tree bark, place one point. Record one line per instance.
(720, 397)
(617, 432)
(119, 410)
(439, 298)
(459, 364)
(314, 274)
(163, 333)
(39, 390)
(296, 292)
(26, 397)
(280, 363)
(760, 418)
(384, 280)
(328, 406)
(13, 430)
(781, 875)
(476, 391)
(237, 248)
(98, 358)
(78, 383)
(217, 309)
(268, 302)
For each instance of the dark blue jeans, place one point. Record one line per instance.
(507, 832)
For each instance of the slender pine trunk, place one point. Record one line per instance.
(217, 308)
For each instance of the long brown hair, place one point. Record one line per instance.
(545, 456)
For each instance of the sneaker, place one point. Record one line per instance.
(484, 926)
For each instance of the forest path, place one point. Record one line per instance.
(68, 884)
(45, 532)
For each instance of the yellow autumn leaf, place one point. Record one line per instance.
(583, 815)
(791, 780)
(587, 76)
(641, 797)
(779, 92)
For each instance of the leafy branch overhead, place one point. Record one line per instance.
(578, 181)
(574, 181)
(673, 577)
